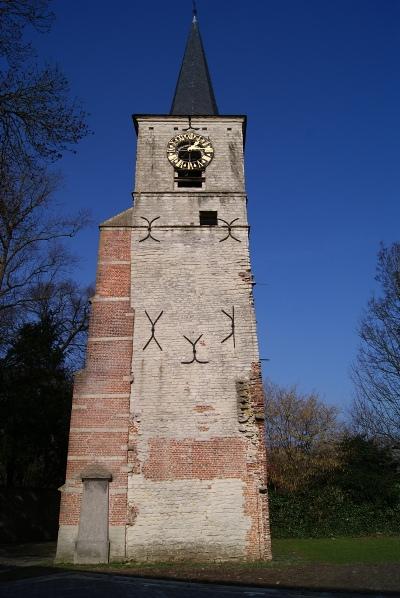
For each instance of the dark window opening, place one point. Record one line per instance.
(208, 218)
(189, 178)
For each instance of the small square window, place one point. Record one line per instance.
(151, 128)
(176, 128)
(229, 129)
(208, 218)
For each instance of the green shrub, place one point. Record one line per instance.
(328, 511)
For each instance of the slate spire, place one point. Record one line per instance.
(194, 93)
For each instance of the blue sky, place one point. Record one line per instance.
(319, 81)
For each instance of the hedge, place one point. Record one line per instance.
(328, 512)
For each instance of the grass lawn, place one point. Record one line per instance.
(343, 550)
(296, 551)
(366, 563)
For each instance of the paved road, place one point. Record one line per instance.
(92, 585)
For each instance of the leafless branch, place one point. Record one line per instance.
(376, 370)
(31, 234)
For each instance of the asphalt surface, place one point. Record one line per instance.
(92, 585)
(28, 571)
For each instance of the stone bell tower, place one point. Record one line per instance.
(167, 456)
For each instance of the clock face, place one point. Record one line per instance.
(189, 151)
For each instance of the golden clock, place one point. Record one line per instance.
(189, 151)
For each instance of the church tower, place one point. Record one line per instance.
(167, 456)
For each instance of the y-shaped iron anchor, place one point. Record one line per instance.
(190, 125)
(194, 350)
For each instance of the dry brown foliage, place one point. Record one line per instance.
(302, 434)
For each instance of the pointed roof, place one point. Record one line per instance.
(194, 93)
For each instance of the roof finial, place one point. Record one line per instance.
(194, 11)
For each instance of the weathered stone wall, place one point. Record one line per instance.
(225, 172)
(197, 485)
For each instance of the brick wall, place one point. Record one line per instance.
(100, 409)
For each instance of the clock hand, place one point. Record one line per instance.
(195, 145)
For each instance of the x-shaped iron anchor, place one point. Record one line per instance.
(232, 319)
(229, 226)
(149, 225)
(194, 350)
(153, 326)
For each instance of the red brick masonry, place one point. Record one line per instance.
(100, 413)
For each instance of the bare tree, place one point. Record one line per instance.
(32, 253)
(43, 314)
(301, 437)
(376, 371)
(67, 306)
(15, 15)
(38, 122)
(38, 119)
